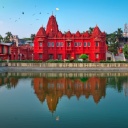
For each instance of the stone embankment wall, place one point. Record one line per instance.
(65, 74)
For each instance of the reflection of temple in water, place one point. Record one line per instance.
(52, 86)
(52, 89)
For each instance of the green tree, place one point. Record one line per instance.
(113, 45)
(9, 34)
(32, 37)
(7, 37)
(26, 39)
(83, 56)
(119, 33)
(1, 38)
(90, 30)
(125, 50)
(113, 40)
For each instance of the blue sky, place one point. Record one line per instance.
(72, 15)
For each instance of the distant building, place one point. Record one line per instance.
(125, 33)
(111, 57)
(15, 39)
(124, 39)
(53, 44)
(11, 52)
(30, 42)
(5, 50)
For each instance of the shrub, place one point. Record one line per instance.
(54, 61)
(24, 61)
(83, 56)
(109, 61)
(87, 61)
(77, 61)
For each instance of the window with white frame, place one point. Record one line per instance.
(40, 44)
(97, 55)
(85, 44)
(88, 44)
(59, 44)
(97, 44)
(77, 44)
(50, 44)
(40, 56)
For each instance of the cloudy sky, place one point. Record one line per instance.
(25, 17)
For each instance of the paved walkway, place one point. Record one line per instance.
(37, 69)
(3, 69)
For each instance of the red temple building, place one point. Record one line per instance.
(50, 43)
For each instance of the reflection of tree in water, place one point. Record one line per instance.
(9, 82)
(52, 89)
(84, 79)
(116, 82)
(12, 82)
(125, 87)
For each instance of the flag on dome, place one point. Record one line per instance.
(57, 9)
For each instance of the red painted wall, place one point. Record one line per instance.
(12, 52)
(4, 52)
(24, 52)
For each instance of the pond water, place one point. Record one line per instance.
(63, 100)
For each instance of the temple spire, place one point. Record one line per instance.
(52, 25)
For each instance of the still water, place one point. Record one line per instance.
(64, 100)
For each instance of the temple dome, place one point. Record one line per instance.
(77, 34)
(86, 34)
(41, 32)
(68, 34)
(59, 34)
(96, 31)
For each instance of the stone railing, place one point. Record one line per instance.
(67, 65)
(3, 64)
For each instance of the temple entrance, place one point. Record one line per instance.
(68, 56)
(59, 56)
(50, 56)
(109, 58)
(77, 56)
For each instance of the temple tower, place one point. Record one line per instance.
(52, 26)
